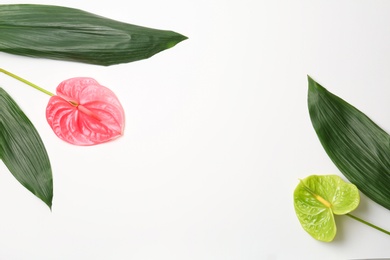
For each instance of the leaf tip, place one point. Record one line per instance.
(47, 200)
(312, 82)
(175, 40)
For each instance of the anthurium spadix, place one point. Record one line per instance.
(82, 112)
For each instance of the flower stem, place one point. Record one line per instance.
(368, 224)
(26, 82)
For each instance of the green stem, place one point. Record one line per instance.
(368, 224)
(26, 82)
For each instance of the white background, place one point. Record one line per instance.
(217, 135)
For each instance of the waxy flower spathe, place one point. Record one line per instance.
(85, 113)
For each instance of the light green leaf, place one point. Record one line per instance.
(63, 33)
(317, 198)
(355, 144)
(23, 151)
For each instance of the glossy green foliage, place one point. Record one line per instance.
(355, 144)
(317, 198)
(23, 151)
(63, 33)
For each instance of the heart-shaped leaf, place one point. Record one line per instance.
(85, 112)
(317, 198)
(23, 151)
(355, 144)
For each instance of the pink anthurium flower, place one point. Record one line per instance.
(83, 112)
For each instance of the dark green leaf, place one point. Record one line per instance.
(356, 145)
(23, 151)
(63, 33)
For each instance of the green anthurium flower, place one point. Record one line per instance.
(318, 198)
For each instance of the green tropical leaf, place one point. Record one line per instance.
(63, 33)
(355, 144)
(23, 151)
(317, 198)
